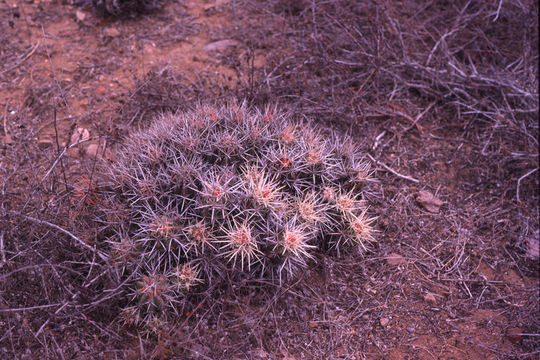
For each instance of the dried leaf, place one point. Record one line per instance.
(92, 150)
(533, 246)
(395, 259)
(80, 134)
(429, 201)
(111, 32)
(80, 15)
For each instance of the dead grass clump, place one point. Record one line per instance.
(158, 92)
(344, 60)
(444, 91)
(53, 283)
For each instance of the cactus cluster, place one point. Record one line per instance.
(120, 8)
(229, 190)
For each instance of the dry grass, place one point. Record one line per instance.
(442, 92)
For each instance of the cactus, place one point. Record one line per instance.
(229, 190)
(124, 7)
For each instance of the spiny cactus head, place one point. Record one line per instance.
(240, 245)
(186, 276)
(151, 289)
(362, 230)
(294, 242)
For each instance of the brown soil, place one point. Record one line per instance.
(462, 278)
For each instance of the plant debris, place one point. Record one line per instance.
(443, 95)
(429, 201)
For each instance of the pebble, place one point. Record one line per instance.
(220, 45)
(93, 150)
(430, 298)
(80, 134)
(395, 259)
(429, 201)
(44, 144)
(111, 32)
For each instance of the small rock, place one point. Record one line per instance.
(514, 334)
(7, 139)
(429, 201)
(80, 15)
(94, 150)
(220, 45)
(44, 144)
(149, 48)
(395, 259)
(101, 90)
(384, 321)
(80, 134)
(313, 324)
(111, 32)
(209, 7)
(430, 299)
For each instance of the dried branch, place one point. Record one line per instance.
(392, 170)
